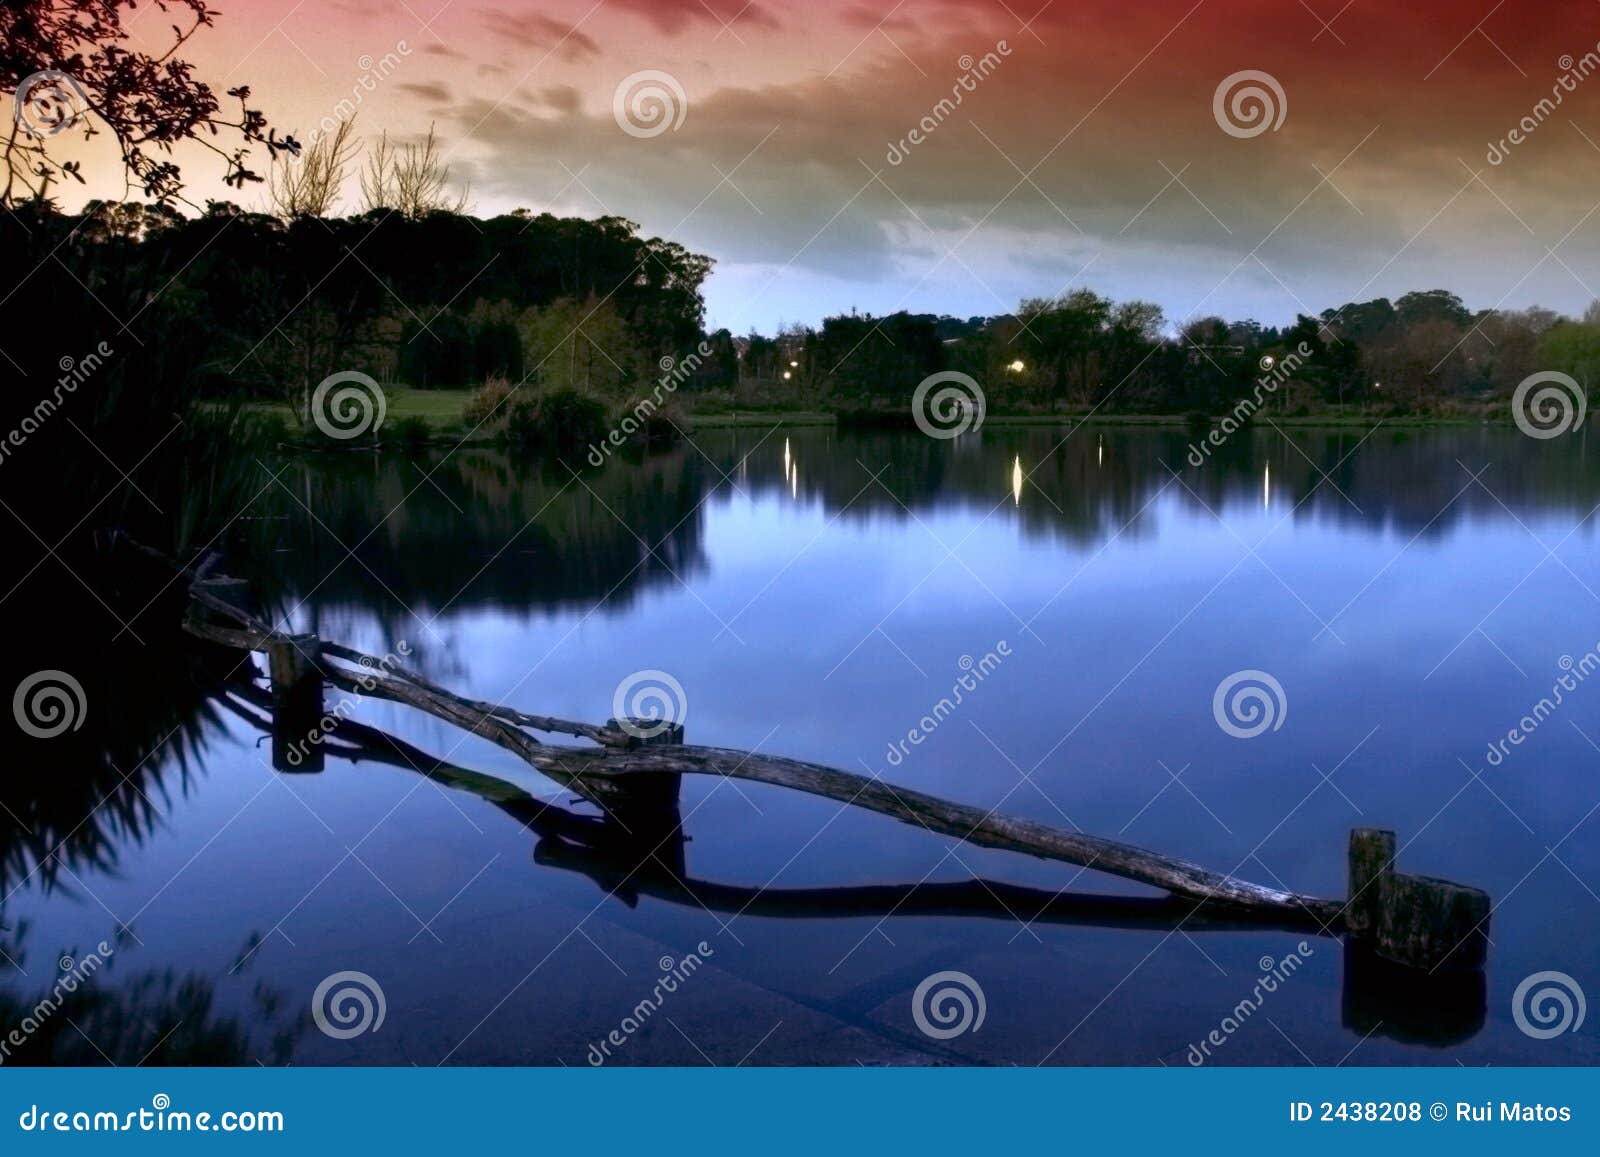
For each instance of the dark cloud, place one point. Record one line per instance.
(673, 16)
(432, 91)
(564, 98)
(538, 32)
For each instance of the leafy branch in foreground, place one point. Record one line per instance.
(68, 68)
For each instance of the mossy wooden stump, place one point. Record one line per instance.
(1413, 920)
(294, 663)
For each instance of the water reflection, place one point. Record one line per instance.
(486, 563)
(478, 529)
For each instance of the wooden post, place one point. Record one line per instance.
(1431, 924)
(296, 703)
(646, 805)
(1417, 921)
(1371, 862)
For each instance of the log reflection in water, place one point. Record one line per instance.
(1406, 1004)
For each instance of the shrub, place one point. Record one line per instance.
(409, 433)
(562, 419)
(487, 402)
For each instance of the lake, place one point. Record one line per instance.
(1412, 594)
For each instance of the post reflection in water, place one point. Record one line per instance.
(537, 592)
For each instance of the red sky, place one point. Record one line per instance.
(1089, 155)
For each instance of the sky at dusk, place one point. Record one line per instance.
(1090, 153)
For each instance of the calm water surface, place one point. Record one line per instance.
(816, 594)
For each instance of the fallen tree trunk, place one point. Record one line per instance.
(605, 776)
(941, 817)
(1419, 921)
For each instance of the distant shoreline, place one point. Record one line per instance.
(442, 412)
(1180, 421)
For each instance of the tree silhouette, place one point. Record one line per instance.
(69, 68)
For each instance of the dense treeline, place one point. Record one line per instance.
(1425, 353)
(437, 300)
(132, 321)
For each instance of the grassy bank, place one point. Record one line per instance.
(442, 410)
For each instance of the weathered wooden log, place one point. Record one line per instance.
(295, 664)
(603, 851)
(218, 599)
(1412, 923)
(1417, 921)
(940, 817)
(602, 776)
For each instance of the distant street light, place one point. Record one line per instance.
(1017, 366)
